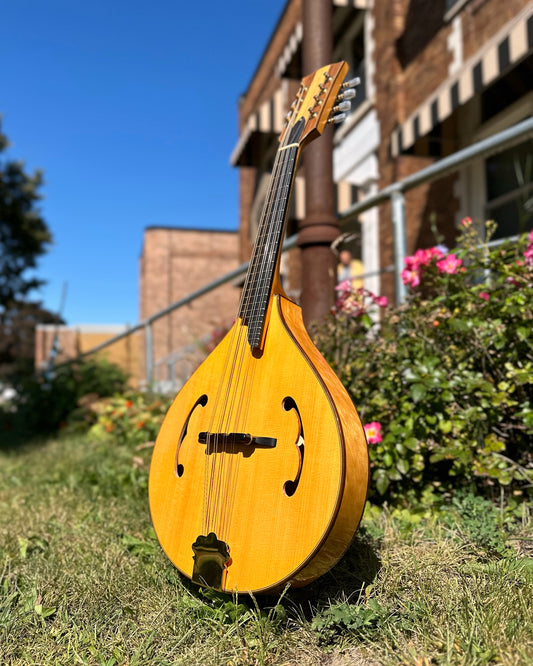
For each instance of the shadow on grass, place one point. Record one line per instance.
(15, 437)
(357, 568)
(344, 582)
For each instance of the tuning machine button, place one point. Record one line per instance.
(352, 83)
(338, 118)
(343, 106)
(347, 94)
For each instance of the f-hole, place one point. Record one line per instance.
(291, 486)
(202, 401)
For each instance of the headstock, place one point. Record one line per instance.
(321, 99)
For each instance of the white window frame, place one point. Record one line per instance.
(473, 176)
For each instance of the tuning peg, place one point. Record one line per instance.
(347, 94)
(352, 83)
(339, 118)
(343, 106)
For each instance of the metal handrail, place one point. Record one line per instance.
(393, 193)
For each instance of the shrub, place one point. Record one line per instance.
(133, 419)
(45, 403)
(444, 383)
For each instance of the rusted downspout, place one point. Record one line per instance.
(319, 228)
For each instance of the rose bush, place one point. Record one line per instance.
(444, 382)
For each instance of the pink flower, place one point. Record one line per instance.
(355, 302)
(414, 264)
(345, 285)
(528, 254)
(484, 295)
(373, 432)
(422, 257)
(438, 252)
(466, 221)
(450, 264)
(411, 277)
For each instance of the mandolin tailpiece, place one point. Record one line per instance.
(211, 558)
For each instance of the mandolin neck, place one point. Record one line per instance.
(264, 263)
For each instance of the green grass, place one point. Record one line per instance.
(83, 581)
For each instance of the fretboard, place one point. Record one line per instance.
(263, 264)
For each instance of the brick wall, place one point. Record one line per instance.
(481, 19)
(77, 339)
(414, 52)
(174, 263)
(416, 46)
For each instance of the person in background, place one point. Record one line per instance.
(349, 269)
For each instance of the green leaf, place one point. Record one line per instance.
(366, 321)
(382, 483)
(402, 466)
(418, 392)
(411, 443)
(445, 426)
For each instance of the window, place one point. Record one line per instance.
(350, 46)
(509, 187)
(356, 60)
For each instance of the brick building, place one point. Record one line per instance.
(174, 263)
(436, 77)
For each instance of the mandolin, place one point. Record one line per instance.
(259, 473)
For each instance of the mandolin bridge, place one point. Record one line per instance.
(236, 439)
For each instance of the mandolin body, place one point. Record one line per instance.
(259, 474)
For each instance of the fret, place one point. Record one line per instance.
(260, 276)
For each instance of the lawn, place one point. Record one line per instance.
(83, 580)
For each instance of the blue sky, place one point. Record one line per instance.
(130, 109)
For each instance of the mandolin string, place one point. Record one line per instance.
(253, 277)
(226, 477)
(229, 460)
(255, 261)
(243, 403)
(209, 461)
(226, 485)
(212, 435)
(258, 247)
(222, 479)
(216, 426)
(223, 457)
(208, 456)
(262, 282)
(270, 248)
(275, 233)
